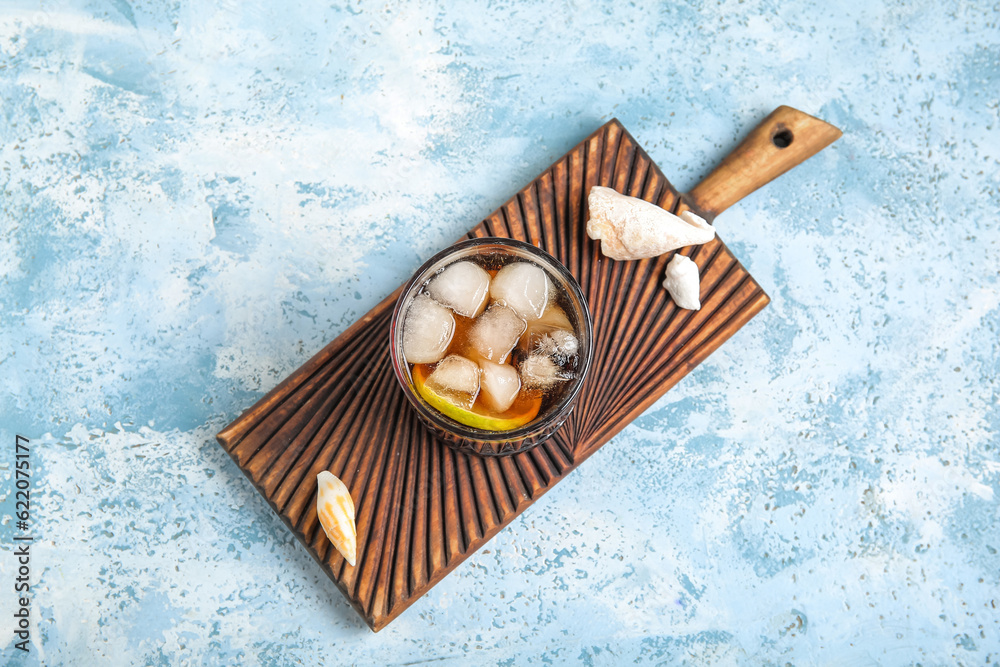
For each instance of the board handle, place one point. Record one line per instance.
(786, 138)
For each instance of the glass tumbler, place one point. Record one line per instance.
(497, 252)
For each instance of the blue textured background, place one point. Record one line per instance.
(196, 197)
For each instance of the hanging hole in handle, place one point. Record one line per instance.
(782, 138)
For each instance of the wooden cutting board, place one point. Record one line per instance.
(422, 508)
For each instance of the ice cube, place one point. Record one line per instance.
(539, 371)
(495, 332)
(500, 384)
(522, 287)
(463, 287)
(455, 379)
(427, 330)
(553, 319)
(556, 318)
(558, 344)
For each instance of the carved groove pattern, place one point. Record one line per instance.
(423, 508)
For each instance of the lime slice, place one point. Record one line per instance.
(517, 416)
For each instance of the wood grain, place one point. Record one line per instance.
(787, 137)
(423, 508)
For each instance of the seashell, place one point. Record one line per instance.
(336, 514)
(631, 228)
(681, 280)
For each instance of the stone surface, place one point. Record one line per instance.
(195, 198)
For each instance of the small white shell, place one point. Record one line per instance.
(681, 280)
(630, 228)
(335, 508)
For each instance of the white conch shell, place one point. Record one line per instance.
(336, 514)
(682, 282)
(631, 228)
